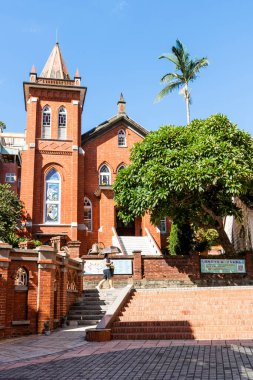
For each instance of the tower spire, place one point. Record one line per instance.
(55, 66)
(121, 105)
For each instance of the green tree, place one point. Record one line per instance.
(10, 213)
(180, 239)
(2, 126)
(188, 174)
(186, 72)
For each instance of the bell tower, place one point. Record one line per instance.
(52, 160)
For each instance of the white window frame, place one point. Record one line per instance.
(62, 128)
(10, 177)
(122, 138)
(103, 175)
(47, 202)
(46, 127)
(88, 207)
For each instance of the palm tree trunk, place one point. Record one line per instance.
(187, 101)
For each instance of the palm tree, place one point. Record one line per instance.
(2, 126)
(186, 71)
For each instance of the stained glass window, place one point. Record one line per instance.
(88, 214)
(46, 123)
(121, 138)
(62, 123)
(52, 201)
(104, 176)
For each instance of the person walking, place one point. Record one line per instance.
(107, 273)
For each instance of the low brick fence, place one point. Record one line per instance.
(185, 270)
(37, 286)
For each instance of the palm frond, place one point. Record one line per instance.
(199, 63)
(169, 77)
(186, 71)
(170, 57)
(167, 89)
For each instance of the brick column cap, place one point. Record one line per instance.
(5, 245)
(73, 243)
(46, 248)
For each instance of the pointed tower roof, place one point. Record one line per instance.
(55, 67)
(121, 104)
(121, 99)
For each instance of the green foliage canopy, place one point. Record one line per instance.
(10, 212)
(189, 173)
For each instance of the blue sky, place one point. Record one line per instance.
(116, 45)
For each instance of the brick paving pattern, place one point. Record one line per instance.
(154, 360)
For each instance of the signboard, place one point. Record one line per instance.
(223, 266)
(92, 267)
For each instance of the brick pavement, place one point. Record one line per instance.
(70, 357)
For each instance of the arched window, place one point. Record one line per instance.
(122, 138)
(104, 176)
(21, 278)
(120, 167)
(52, 197)
(46, 123)
(88, 214)
(62, 124)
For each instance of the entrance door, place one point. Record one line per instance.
(124, 229)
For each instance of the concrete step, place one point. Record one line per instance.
(83, 317)
(131, 243)
(87, 322)
(92, 306)
(73, 313)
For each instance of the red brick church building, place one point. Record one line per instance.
(67, 177)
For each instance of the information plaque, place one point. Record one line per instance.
(223, 266)
(92, 267)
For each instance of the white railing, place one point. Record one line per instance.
(116, 241)
(156, 250)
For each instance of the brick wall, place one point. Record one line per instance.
(48, 294)
(162, 271)
(62, 155)
(10, 167)
(104, 149)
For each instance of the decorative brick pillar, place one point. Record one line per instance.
(137, 265)
(26, 245)
(46, 276)
(249, 263)
(74, 248)
(4, 267)
(58, 242)
(63, 285)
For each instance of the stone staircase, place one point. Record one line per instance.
(200, 313)
(92, 307)
(133, 243)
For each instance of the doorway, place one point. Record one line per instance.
(124, 229)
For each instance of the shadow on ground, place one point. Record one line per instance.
(174, 362)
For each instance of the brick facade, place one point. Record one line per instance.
(53, 284)
(77, 159)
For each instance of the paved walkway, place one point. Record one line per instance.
(66, 355)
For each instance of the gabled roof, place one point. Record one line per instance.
(110, 124)
(55, 66)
